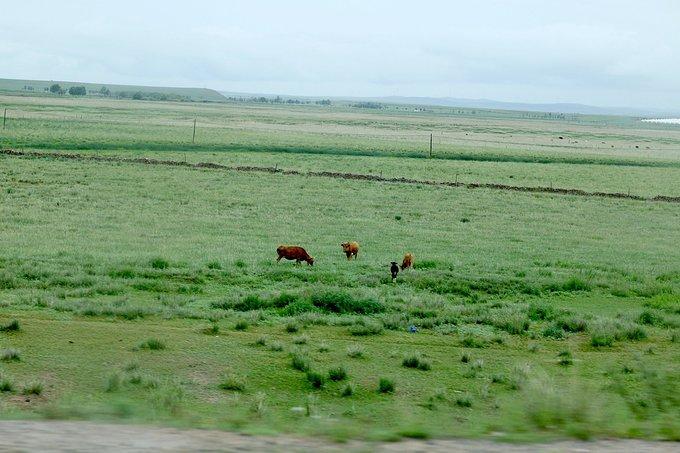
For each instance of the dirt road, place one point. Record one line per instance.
(16, 436)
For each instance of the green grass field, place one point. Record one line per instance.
(150, 293)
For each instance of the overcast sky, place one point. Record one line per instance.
(601, 52)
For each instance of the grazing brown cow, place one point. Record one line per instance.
(293, 252)
(408, 261)
(350, 248)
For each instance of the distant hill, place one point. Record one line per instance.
(125, 91)
(486, 104)
(522, 106)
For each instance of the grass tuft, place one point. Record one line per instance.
(348, 390)
(355, 351)
(152, 344)
(316, 379)
(464, 401)
(470, 341)
(32, 388)
(6, 385)
(385, 385)
(10, 355)
(112, 383)
(292, 327)
(650, 318)
(276, 346)
(241, 325)
(344, 303)
(160, 263)
(301, 339)
(300, 362)
(366, 328)
(337, 374)
(416, 361)
(12, 326)
(213, 329)
(232, 383)
(565, 358)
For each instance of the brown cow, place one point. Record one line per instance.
(408, 261)
(350, 248)
(293, 252)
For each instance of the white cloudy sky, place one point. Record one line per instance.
(603, 52)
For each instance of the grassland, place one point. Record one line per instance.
(150, 293)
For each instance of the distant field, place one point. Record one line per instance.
(612, 154)
(149, 293)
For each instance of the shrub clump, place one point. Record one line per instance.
(241, 325)
(355, 351)
(12, 326)
(275, 346)
(464, 401)
(498, 378)
(292, 327)
(602, 338)
(565, 358)
(6, 385)
(152, 344)
(33, 388)
(301, 339)
(113, 382)
(416, 361)
(471, 341)
(553, 331)
(572, 324)
(251, 302)
(575, 284)
(300, 362)
(366, 328)
(514, 324)
(10, 355)
(160, 263)
(385, 385)
(635, 333)
(213, 329)
(214, 265)
(348, 390)
(232, 383)
(337, 374)
(344, 303)
(649, 318)
(541, 312)
(317, 380)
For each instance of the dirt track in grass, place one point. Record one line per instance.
(338, 175)
(63, 436)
